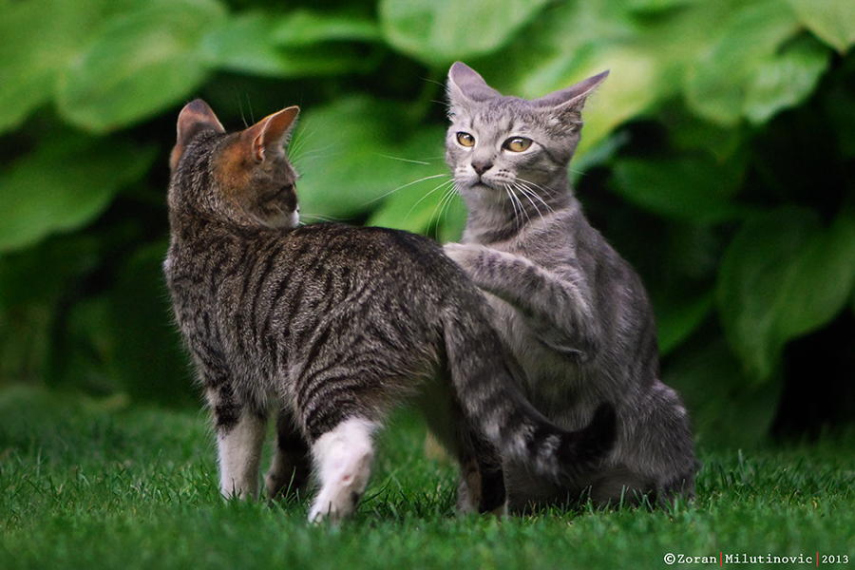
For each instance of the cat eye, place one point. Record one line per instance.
(465, 139)
(517, 144)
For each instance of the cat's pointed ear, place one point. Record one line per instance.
(195, 117)
(271, 133)
(466, 85)
(572, 98)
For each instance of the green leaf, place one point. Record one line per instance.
(688, 132)
(303, 28)
(244, 44)
(783, 276)
(571, 41)
(354, 153)
(718, 81)
(64, 185)
(148, 358)
(371, 164)
(833, 21)
(839, 105)
(418, 204)
(417, 207)
(725, 406)
(40, 38)
(263, 43)
(33, 282)
(438, 32)
(452, 220)
(658, 6)
(785, 79)
(80, 356)
(692, 189)
(633, 87)
(821, 279)
(142, 63)
(679, 317)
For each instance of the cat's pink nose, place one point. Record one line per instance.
(481, 167)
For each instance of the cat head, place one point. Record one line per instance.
(496, 144)
(243, 178)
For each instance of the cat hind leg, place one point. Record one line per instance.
(481, 487)
(343, 458)
(291, 465)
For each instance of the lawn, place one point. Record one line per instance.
(99, 484)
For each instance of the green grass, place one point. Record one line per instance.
(86, 486)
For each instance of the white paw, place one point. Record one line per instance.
(325, 510)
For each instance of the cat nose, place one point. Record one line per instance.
(481, 166)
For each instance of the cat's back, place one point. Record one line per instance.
(398, 259)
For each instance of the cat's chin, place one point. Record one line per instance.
(484, 192)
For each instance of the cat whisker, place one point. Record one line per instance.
(409, 160)
(544, 189)
(315, 154)
(530, 191)
(452, 194)
(512, 197)
(525, 193)
(299, 141)
(422, 199)
(521, 206)
(446, 200)
(390, 192)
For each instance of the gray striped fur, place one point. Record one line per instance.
(573, 311)
(328, 323)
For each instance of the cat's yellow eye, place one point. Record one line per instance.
(465, 139)
(517, 144)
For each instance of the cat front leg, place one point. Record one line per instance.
(240, 436)
(559, 307)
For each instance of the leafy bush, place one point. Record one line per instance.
(718, 158)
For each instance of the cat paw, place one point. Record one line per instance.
(333, 510)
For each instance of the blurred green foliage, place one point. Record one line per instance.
(719, 157)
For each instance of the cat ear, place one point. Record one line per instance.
(466, 85)
(271, 133)
(572, 98)
(194, 118)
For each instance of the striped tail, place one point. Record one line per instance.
(483, 376)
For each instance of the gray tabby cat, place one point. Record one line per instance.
(333, 325)
(574, 313)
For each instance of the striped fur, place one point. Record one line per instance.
(333, 326)
(574, 313)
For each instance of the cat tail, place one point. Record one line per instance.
(488, 383)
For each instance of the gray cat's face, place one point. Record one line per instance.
(498, 146)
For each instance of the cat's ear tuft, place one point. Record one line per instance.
(466, 85)
(195, 117)
(571, 98)
(271, 133)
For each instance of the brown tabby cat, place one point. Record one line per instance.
(333, 325)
